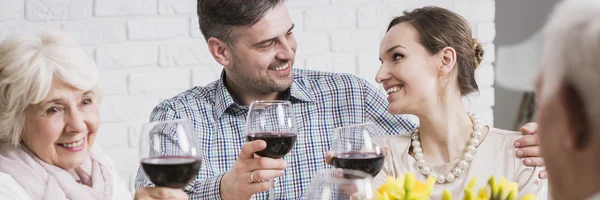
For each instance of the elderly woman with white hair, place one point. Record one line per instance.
(49, 96)
(569, 100)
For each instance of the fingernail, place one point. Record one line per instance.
(519, 153)
(527, 161)
(517, 144)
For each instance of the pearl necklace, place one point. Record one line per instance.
(462, 164)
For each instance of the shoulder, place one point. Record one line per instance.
(190, 99)
(195, 94)
(504, 137)
(505, 133)
(339, 80)
(10, 189)
(393, 142)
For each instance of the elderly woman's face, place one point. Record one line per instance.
(61, 129)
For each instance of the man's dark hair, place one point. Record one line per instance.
(217, 18)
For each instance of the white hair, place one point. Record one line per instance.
(28, 65)
(572, 53)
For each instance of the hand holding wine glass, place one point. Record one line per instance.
(273, 122)
(239, 182)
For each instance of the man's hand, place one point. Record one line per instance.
(152, 193)
(528, 147)
(249, 173)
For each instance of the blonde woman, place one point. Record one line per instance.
(49, 97)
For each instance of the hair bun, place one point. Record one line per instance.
(478, 52)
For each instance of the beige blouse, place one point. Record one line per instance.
(495, 156)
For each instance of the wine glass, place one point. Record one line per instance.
(353, 148)
(169, 153)
(274, 122)
(341, 184)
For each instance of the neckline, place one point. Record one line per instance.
(412, 160)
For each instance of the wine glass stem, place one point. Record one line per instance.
(271, 189)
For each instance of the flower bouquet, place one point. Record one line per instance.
(408, 188)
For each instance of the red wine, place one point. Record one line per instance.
(367, 162)
(171, 171)
(278, 144)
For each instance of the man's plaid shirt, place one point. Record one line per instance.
(322, 102)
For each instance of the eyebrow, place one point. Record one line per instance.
(271, 39)
(56, 100)
(394, 47)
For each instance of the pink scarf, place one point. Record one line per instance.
(43, 181)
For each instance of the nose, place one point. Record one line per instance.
(382, 74)
(287, 50)
(75, 121)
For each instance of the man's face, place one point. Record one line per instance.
(263, 54)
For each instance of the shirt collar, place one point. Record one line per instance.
(299, 92)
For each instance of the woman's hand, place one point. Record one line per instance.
(151, 193)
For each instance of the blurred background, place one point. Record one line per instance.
(150, 50)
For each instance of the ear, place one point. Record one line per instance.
(220, 51)
(578, 136)
(448, 58)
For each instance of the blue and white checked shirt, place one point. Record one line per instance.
(322, 102)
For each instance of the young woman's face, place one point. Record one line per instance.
(408, 71)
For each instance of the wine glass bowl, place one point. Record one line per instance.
(169, 153)
(354, 149)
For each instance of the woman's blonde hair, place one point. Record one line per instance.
(28, 65)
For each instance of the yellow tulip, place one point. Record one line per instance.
(529, 197)
(483, 193)
(512, 195)
(469, 195)
(446, 195)
(430, 184)
(408, 188)
(472, 183)
(493, 186)
(409, 183)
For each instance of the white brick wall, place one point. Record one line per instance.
(149, 50)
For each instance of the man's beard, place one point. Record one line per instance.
(263, 85)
